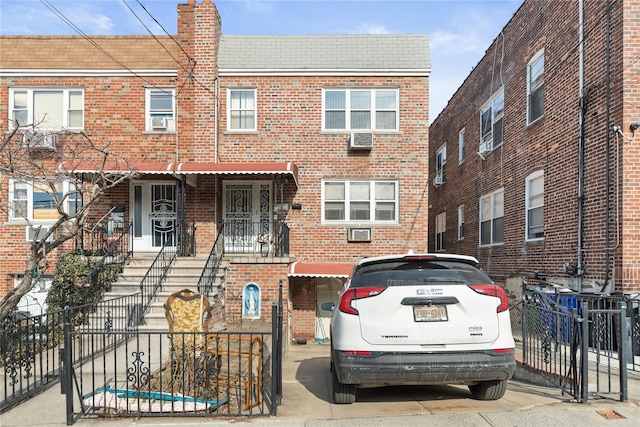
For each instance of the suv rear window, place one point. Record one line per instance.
(418, 272)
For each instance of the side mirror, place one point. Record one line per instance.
(328, 306)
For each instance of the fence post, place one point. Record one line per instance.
(584, 353)
(67, 374)
(625, 343)
(274, 362)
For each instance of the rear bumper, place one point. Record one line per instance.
(380, 369)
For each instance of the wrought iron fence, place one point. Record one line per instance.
(156, 374)
(263, 238)
(156, 275)
(30, 345)
(105, 238)
(211, 267)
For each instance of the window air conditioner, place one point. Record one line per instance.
(39, 139)
(158, 123)
(437, 181)
(36, 234)
(359, 234)
(361, 140)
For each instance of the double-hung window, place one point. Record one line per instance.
(360, 201)
(47, 108)
(360, 109)
(461, 144)
(39, 201)
(241, 110)
(491, 123)
(535, 205)
(441, 227)
(535, 88)
(441, 162)
(460, 222)
(492, 218)
(160, 110)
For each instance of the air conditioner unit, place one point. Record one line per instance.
(359, 234)
(38, 233)
(39, 139)
(361, 140)
(158, 123)
(438, 180)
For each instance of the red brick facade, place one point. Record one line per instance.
(289, 129)
(607, 257)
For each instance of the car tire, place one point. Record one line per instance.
(343, 394)
(489, 390)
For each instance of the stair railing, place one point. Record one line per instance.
(156, 275)
(211, 267)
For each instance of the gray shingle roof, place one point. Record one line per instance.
(325, 52)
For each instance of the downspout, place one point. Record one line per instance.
(608, 285)
(580, 263)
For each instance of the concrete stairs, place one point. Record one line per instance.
(184, 274)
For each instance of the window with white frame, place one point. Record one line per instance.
(39, 201)
(441, 227)
(360, 201)
(47, 108)
(160, 110)
(535, 206)
(242, 110)
(492, 218)
(461, 144)
(35, 301)
(460, 222)
(535, 88)
(441, 162)
(491, 123)
(360, 109)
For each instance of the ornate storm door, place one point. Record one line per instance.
(247, 216)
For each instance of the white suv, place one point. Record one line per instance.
(421, 319)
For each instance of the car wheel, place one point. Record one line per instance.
(343, 394)
(489, 390)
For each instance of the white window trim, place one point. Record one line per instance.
(372, 221)
(460, 229)
(30, 106)
(534, 59)
(462, 143)
(373, 90)
(488, 145)
(255, 110)
(492, 195)
(441, 171)
(527, 201)
(66, 189)
(440, 229)
(171, 126)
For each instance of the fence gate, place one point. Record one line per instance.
(580, 343)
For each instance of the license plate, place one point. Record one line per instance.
(430, 313)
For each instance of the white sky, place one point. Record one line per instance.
(459, 31)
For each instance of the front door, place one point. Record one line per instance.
(154, 215)
(247, 216)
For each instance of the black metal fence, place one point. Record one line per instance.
(156, 374)
(264, 238)
(583, 343)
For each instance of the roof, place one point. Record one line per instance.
(387, 54)
(320, 269)
(325, 52)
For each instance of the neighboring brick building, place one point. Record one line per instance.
(250, 132)
(534, 161)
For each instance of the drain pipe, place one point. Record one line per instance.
(583, 105)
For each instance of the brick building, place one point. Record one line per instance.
(534, 161)
(306, 153)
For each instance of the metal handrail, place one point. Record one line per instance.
(211, 267)
(262, 238)
(156, 275)
(114, 254)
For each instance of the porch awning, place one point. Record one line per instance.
(320, 269)
(186, 168)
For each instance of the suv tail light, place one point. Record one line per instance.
(494, 291)
(353, 294)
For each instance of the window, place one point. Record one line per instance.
(535, 88)
(38, 202)
(35, 301)
(160, 110)
(360, 109)
(441, 162)
(242, 110)
(492, 218)
(460, 222)
(441, 227)
(360, 201)
(50, 109)
(461, 145)
(535, 205)
(491, 123)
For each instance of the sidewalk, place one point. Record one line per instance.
(306, 402)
